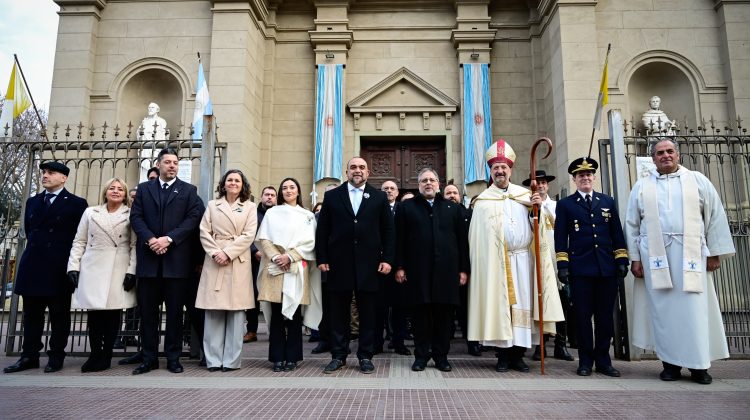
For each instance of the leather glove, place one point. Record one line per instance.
(622, 271)
(73, 278)
(563, 275)
(129, 283)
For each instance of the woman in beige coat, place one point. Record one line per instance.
(226, 285)
(102, 268)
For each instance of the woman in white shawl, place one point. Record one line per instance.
(288, 278)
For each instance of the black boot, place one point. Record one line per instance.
(516, 361)
(561, 352)
(537, 356)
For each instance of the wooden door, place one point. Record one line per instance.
(401, 160)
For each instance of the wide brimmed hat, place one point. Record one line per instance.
(540, 174)
(500, 151)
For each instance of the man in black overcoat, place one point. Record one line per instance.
(50, 221)
(165, 217)
(354, 245)
(432, 260)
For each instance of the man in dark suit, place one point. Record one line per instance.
(267, 200)
(354, 245)
(165, 217)
(591, 254)
(50, 221)
(432, 260)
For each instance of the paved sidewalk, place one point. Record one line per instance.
(472, 390)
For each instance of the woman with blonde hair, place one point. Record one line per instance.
(101, 267)
(226, 285)
(288, 279)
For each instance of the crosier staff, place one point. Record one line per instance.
(537, 253)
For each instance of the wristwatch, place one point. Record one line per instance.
(169, 239)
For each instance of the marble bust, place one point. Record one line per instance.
(656, 121)
(153, 127)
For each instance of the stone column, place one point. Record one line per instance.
(235, 83)
(73, 73)
(331, 41)
(473, 41)
(733, 18)
(571, 71)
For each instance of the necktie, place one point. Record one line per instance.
(48, 199)
(164, 186)
(356, 200)
(164, 193)
(588, 201)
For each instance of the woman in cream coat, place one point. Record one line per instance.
(288, 279)
(226, 285)
(102, 268)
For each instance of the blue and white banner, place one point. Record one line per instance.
(477, 121)
(329, 122)
(203, 104)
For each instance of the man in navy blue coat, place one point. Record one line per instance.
(591, 255)
(165, 218)
(354, 245)
(51, 221)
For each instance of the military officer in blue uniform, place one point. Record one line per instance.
(591, 255)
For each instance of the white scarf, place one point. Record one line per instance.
(692, 266)
(290, 227)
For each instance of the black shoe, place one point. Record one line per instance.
(334, 365)
(146, 368)
(537, 356)
(518, 365)
(390, 345)
(700, 376)
(278, 367)
(174, 366)
(131, 360)
(418, 365)
(290, 366)
(214, 368)
(91, 364)
(23, 363)
(443, 366)
(228, 369)
(609, 371)
(119, 344)
(54, 365)
(561, 353)
(203, 362)
(366, 366)
(401, 349)
(475, 349)
(322, 347)
(502, 366)
(670, 373)
(583, 371)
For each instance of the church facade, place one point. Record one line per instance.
(403, 79)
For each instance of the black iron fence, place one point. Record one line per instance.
(724, 157)
(93, 159)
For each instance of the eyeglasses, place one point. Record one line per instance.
(428, 181)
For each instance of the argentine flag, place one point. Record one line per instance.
(477, 121)
(202, 104)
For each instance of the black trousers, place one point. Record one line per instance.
(594, 296)
(33, 325)
(196, 316)
(252, 314)
(432, 331)
(324, 328)
(103, 328)
(285, 336)
(152, 291)
(340, 311)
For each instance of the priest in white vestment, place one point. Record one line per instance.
(502, 291)
(677, 234)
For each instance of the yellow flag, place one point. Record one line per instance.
(16, 101)
(603, 94)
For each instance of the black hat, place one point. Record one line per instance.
(583, 164)
(539, 174)
(55, 166)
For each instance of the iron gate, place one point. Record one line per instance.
(92, 162)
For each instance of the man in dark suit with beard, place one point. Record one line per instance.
(51, 221)
(432, 260)
(165, 217)
(354, 245)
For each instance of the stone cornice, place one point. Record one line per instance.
(718, 4)
(548, 6)
(81, 7)
(444, 103)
